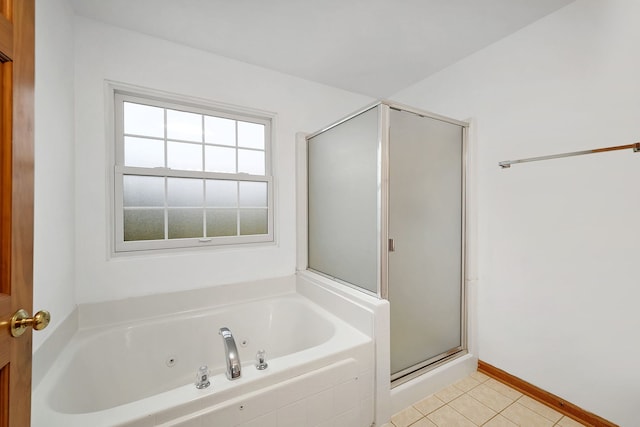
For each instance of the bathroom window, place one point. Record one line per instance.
(189, 176)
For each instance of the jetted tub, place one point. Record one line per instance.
(142, 373)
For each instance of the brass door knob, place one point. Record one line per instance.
(21, 321)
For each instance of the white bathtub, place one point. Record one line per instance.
(141, 373)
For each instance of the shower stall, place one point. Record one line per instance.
(386, 216)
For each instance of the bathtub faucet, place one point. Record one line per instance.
(231, 354)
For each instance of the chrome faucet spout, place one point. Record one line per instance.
(231, 354)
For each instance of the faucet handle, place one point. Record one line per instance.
(202, 377)
(261, 365)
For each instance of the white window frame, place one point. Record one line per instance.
(118, 96)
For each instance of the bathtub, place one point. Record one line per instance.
(141, 372)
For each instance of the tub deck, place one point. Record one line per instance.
(320, 368)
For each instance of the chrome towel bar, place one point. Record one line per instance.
(507, 163)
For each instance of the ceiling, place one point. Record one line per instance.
(372, 47)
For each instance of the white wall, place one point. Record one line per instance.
(105, 52)
(54, 228)
(558, 240)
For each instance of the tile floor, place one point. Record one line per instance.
(479, 400)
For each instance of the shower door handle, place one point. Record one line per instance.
(392, 245)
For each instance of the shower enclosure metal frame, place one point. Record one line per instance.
(383, 241)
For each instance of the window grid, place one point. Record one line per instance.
(209, 234)
(237, 147)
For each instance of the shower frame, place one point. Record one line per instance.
(383, 240)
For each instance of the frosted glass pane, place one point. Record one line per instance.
(251, 162)
(184, 126)
(143, 224)
(219, 131)
(143, 120)
(143, 191)
(185, 192)
(222, 194)
(251, 135)
(220, 159)
(185, 223)
(253, 194)
(143, 152)
(184, 156)
(343, 201)
(253, 221)
(425, 221)
(222, 222)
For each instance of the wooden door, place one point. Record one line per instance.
(16, 205)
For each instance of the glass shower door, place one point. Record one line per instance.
(344, 211)
(425, 259)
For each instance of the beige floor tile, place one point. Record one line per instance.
(568, 422)
(491, 398)
(406, 417)
(524, 416)
(499, 421)
(467, 383)
(503, 389)
(479, 376)
(479, 400)
(539, 408)
(472, 409)
(423, 422)
(428, 405)
(449, 393)
(448, 417)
